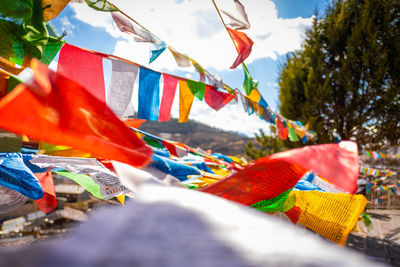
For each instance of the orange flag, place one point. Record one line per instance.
(56, 110)
(243, 45)
(338, 163)
(48, 202)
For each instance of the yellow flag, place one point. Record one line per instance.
(332, 215)
(185, 101)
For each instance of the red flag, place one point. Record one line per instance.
(217, 99)
(338, 163)
(243, 45)
(48, 202)
(169, 91)
(282, 130)
(262, 181)
(56, 110)
(84, 68)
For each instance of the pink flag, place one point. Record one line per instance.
(168, 95)
(338, 163)
(217, 99)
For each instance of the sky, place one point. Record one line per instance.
(193, 27)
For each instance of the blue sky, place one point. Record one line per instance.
(194, 28)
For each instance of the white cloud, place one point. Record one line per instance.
(67, 26)
(194, 28)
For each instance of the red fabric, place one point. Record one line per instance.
(294, 214)
(170, 147)
(243, 45)
(261, 181)
(169, 91)
(338, 163)
(48, 202)
(84, 68)
(134, 123)
(282, 130)
(216, 99)
(59, 111)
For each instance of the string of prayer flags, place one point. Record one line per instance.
(15, 175)
(63, 112)
(83, 67)
(217, 99)
(185, 101)
(239, 21)
(169, 90)
(377, 172)
(376, 154)
(149, 94)
(123, 77)
(264, 180)
(337, 163)
(243, 45)
(48, 202)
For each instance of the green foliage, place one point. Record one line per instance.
(265, 145)
(346, 78)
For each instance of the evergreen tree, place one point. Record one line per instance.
(346, 77)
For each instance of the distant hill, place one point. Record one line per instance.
(196, 134)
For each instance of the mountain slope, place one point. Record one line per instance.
(196, 134)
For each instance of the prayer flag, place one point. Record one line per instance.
(264, 180)
(240, 21)
(337, 163)
(169, 90)
(149, 94)
(123, 78)
(243, 45)
(48, 203)
(216, 99)
(332, 215)
(181, 60)
(101, 5)
(54, 109)
(249, 84)
(198, 89)
(156, 49)
(185, 101)
(10, 199)
(282, 130)
(51, 8)
(15, 175)
(84, 68)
